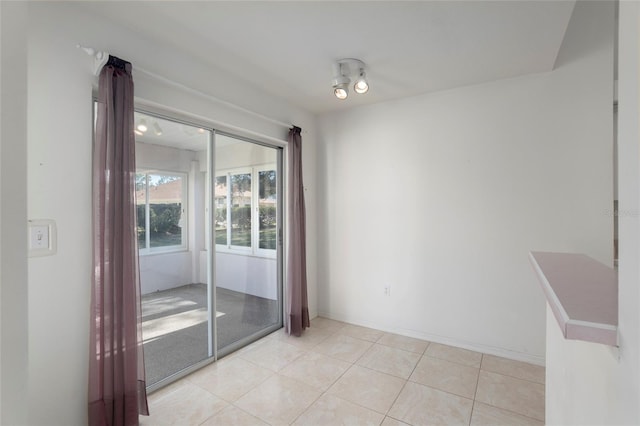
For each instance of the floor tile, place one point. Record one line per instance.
(309, 338)
(273, 354)
(520, 396)
(330, 410)
(326, 324)
(362, 333)
(390, 360)
(453, 354)
(234, 416)
(230, 378)
(446, 376)
(281, 379)
(316, 369)
(517, 369)
(184, 403)
(278, 400)
(368, 388)
(250, 347)
(486, 415)
(343, 347)
(402, 342)
(388, 421)
(422, 405)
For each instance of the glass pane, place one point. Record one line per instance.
(267, 208)
(165, 210)
(248, 284)
(175, 287)
(220, 204)
(141, 197)
(241, 210)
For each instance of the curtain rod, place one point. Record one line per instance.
(100, 59)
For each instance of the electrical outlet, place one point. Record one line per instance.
(387, 290)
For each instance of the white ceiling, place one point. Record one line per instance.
(288, 48)
(174, 134)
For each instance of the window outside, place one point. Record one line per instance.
(267, 203)
(241, 210)
(252, 226)
(220, 205)
(160, 208)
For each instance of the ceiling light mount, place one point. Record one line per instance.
(343, 70)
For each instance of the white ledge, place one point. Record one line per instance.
(582, 293)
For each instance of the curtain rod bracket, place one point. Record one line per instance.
(100, 58)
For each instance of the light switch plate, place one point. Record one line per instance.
(42, 237)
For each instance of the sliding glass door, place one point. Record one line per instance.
(209, 212)
(248, 246)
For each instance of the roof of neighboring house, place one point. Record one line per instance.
(166, 193)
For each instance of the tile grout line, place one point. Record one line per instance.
(405, 382)
(512, 376)
(506, 409)
(338, 332)
(475, 393)
(324, 392)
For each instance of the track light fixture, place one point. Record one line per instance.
(343, 70)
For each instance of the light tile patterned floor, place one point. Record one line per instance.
(338, 373)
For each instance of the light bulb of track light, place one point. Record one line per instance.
(142, 126)
(361, 86)
(157, 129)
(341, 87)
(341, 92)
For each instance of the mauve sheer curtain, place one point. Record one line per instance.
(297, 305)
(117, 391)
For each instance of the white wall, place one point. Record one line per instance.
(13, 209)
(588, 383)
(245, 274)
(442, 196)
(166, 271)
(60, 82)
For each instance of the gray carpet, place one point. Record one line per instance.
(175, 327)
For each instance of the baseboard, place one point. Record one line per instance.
(473, 346)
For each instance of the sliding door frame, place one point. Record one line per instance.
(214, 353)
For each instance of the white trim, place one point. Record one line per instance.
(434, 338)
(591, 325)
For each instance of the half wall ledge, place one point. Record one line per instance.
(582, 293)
